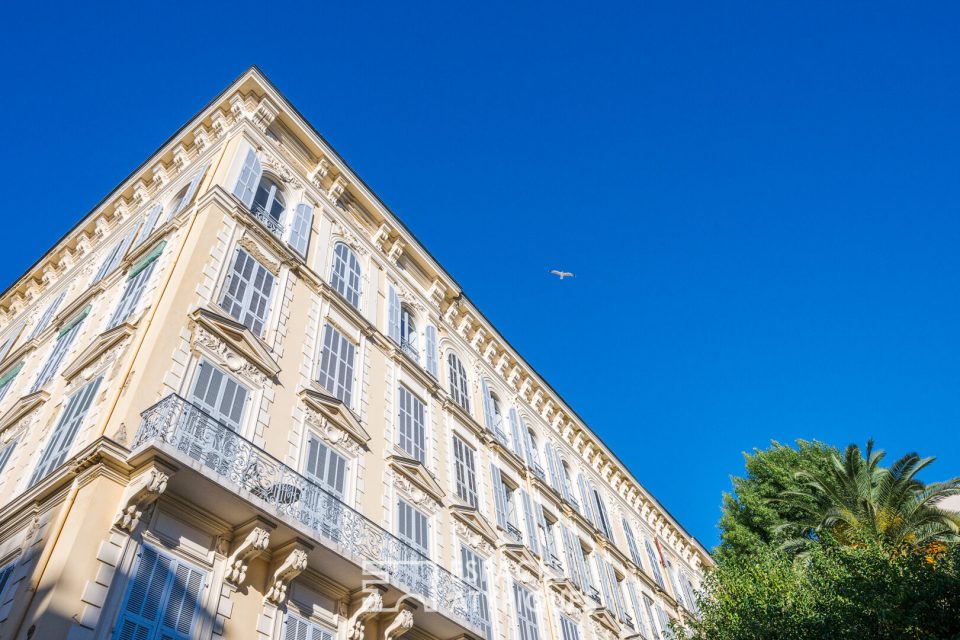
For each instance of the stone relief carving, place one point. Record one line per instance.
(292, 566)
(144, 493)
(226, 356)
(473, 539)
(401, 623)
(256, 541)
(331, 432)
(369, 607)
(521, 573)
(415, 494)
(254, 249)
(276, 166)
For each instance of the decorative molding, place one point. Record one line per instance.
(522, 572)
(293, 560)
(253, 247)
(100, 355)
(141, 493)
(255, 542)
(370, 606)
(416, 480)
(279, 169)
(399, 625)
(19, 417)
(474, 528)
(333, 420)
(234, 346)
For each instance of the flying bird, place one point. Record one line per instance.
(562, 274)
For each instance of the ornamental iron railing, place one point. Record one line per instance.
(195, 434)
(271, 223)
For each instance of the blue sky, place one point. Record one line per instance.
(759, 199)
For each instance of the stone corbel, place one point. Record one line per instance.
(396, 251)
(370, 606)
(292, 562)
(238, 108)
(266, 113)
(141, 493)
(140, 193)
(254, 539)
(180, 157)
(200, 138)
(337, 189)
(399, 625)
(219, 122)
(160, 177)
(381, 236)
(323, 168)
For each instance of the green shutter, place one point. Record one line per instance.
(77, 319)
(10, 374)
(144, 262)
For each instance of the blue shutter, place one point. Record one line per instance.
(433, 364)
(500, 498)
(393, 315)
(300, 229)
(528, 517)
(47, 316)
(182, 607)
(5, 454)
(248, 179)
(57, 447)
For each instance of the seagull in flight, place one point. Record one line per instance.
(562, 274)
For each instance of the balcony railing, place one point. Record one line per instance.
(410, 347)
(514, 532)
(538, 471)
(195, 434)
(271, 223)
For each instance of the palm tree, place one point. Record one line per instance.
(857, 499)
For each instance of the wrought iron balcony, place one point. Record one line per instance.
(514, 532)
(271, 223)
(554, 562)
(194, 434)
(538, 471)
(410, 347)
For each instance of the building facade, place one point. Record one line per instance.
(240, 400)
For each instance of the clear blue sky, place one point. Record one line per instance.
(760, 200)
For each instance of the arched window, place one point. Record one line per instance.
(177, 202)
(458, 381)
(408, 333)
(345, 276)
(268, 199)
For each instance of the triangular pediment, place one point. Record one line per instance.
(22, 407)
(605, 618)
(18, 354)
(416, 473)
(335, 411)
(522, 555)
(567, 591)
(100, 345)
(236, 337)
(471, 517)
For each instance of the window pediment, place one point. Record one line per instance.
(21, 408)
(103, 346)
(415, 472)
(523, 556)
(471, 517)
(603, 617)
(17, 355)
(324, 411)
(568, 593)
(228, 339)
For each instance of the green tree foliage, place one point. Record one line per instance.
(752, 518)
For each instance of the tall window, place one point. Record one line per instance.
(458, 381)
(465, 472)
(569, 629)
(112, 259)
(408, 333)
(162, 600)
(648, 606)
(654, 564)
(603, 520)
(474, 573)
(568, 484)
(412, 425)
(336, 365)
(631, 543)
(220, 394)
(326, 466)
(5, 454)
(246, 292)
(137, 281)
(298, 628)
(64, 433)
(6, 380)
(60, 349)
(526, 609)
(345, 276)
(47, 316)
(268, 200)
(412, 527)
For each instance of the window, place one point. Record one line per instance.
(589, 584)
(298, 628)
(569, 629)
(10, 339)
(637, 611)
(162, 600)
(269, 201)
(474, 573)
(408, 333)
(412, 527)
(64, 340)
(345, 275)
(631, 543)
(526, 608)
(412, 425)
(300, 229)
(529, 519)
(336, 365)
(246, 292)
(176, 203)
(57, 448)
(654, 565)
(547, 532)
(648, 605)
(568, 484)
(465, 472)
(6, 380)
(113, 258)
(152, 216)
(430, 336)
(664, 620)
(517, 430)
(458, 381)
(5, 454)
(506, 504)
(137, 281)
(677, 592)
(326, 466)
(47, 316)
(571, 550)
(600, 511)
(492, 413)
(219, 394)
(688, 590)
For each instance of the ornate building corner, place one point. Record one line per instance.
(141, 493)
(291, 563)
(255, 542)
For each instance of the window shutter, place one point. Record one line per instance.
(5, 454)
(191, 190)
(220, 395)
(632, 543)
(64, 340)
(47, 316)
(300, 229)
(247, 291)
(601, 567)
(637, 612)
(132, 294)
(531, 526)
(474, 573)
(345, 274)
(393, 315)
(337, 358)
(526, 613)
(648, 605)
(433, 364)
(600, 513)
(488, 412)
(654, 564)
(148, 226)
(412, 430)
(248, 179)
(585, 497)
(528, 441)
(573, 567)
(64, 433)
(550, 547)
(552, 468)
(326, 466)
(114, 257)
(183, 604)
(500, 497)
(517, 434)
(10, 339)
(664, 622)
(11, 373)
(569, 629)
(464, 472)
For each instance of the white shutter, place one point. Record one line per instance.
(648, 605)
(638, 616)
(191, 190)
(517, 429)
(550, 547)
(247, 291)
(56, 356)
(587, 510)
(148, 226)
(220, 394)
(297, 628)
(326, 466)
(131, 295)
(433, 364)
(530, 523)
(552, 468)
(55, 452)
(488, 412)
(572, 554)
(412, 526)
(183, 604)
(337, 357)
(474, 573)
(465, 475)
(604, 581)
(632, 543)
(300, 229)
(526, 613)
(664, 622)
(248, 179)
(500, 497)
(569, 629)
(412, 428)
(654, 564)
(393, 315)
(113, 258)
(10, 339)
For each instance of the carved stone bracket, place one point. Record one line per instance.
(399, 625)
(292, 562)
(369, 607)
(141, 493)
(255, 541)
